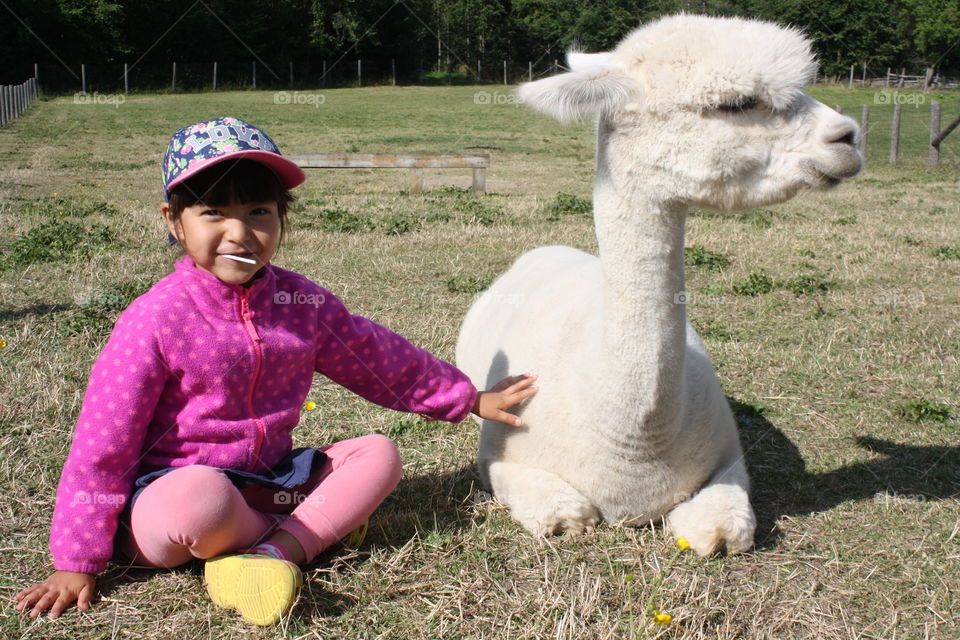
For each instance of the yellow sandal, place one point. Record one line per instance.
(262, 588)
(356, 537)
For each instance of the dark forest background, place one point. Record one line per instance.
(420, 40)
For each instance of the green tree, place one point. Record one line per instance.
(936, 32)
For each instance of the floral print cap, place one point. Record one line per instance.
(204, 144)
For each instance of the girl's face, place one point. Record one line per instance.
(250, 230)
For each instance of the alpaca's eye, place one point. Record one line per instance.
(744, 104)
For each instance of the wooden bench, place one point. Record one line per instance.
(417, 162)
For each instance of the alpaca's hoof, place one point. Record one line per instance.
(718, 518)
(542, 502)
(570, 519)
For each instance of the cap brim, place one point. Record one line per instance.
(287, 171)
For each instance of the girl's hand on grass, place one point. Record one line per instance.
(493, 404)
(57, 593)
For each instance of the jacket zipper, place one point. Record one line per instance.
(245, 316)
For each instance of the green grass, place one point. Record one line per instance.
(699, 256)
(567, 204)
(836, 342)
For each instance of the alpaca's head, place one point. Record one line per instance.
(711, 111)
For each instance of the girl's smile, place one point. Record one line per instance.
(231, 241)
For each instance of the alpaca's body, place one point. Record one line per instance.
(630, 423)
(631, 479)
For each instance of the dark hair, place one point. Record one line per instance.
(232, 181)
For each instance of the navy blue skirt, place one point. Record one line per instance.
(292, 471)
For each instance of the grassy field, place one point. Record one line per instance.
(832, 321)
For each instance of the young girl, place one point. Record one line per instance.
(182, 449)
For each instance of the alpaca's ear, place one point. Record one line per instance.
(595, 85)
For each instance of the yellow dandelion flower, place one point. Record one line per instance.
(55, 194)
(661, 618)
(3, 343)
(310, 406)
(683, 543)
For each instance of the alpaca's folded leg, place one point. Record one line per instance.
(541, 501)
(719, 516)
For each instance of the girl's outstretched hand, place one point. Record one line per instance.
(57, 593)
(493, 404)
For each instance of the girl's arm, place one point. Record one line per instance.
(119, 403)
(385, 368)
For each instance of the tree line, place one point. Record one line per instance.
(445, 36)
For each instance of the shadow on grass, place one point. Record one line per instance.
(782, 486)
(34, 310)
(424, 505)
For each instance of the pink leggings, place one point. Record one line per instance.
(196, 512)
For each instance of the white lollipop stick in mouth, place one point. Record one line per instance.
(238, 258)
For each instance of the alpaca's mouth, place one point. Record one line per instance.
(823, 178)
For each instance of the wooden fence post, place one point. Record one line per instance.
(359, 74)
(864, 130)
(254, 72)
(936, 136)
(126, 78)
(933, 156)
(36, 75)
(850, 85)
(529, 71)
(393, 71)
(291, 74)
(173, 83)
(895, 134)
(504, 72)
(3, 106)
(214, 76)
(83, 79)
(323, 78)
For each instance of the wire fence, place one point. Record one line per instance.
(289, 74)
(907, 127)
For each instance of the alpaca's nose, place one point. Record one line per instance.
(842, 132)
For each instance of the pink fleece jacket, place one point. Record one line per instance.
(198, 371)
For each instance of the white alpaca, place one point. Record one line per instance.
(630, 424)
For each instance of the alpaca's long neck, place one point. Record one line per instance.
(641, 238)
